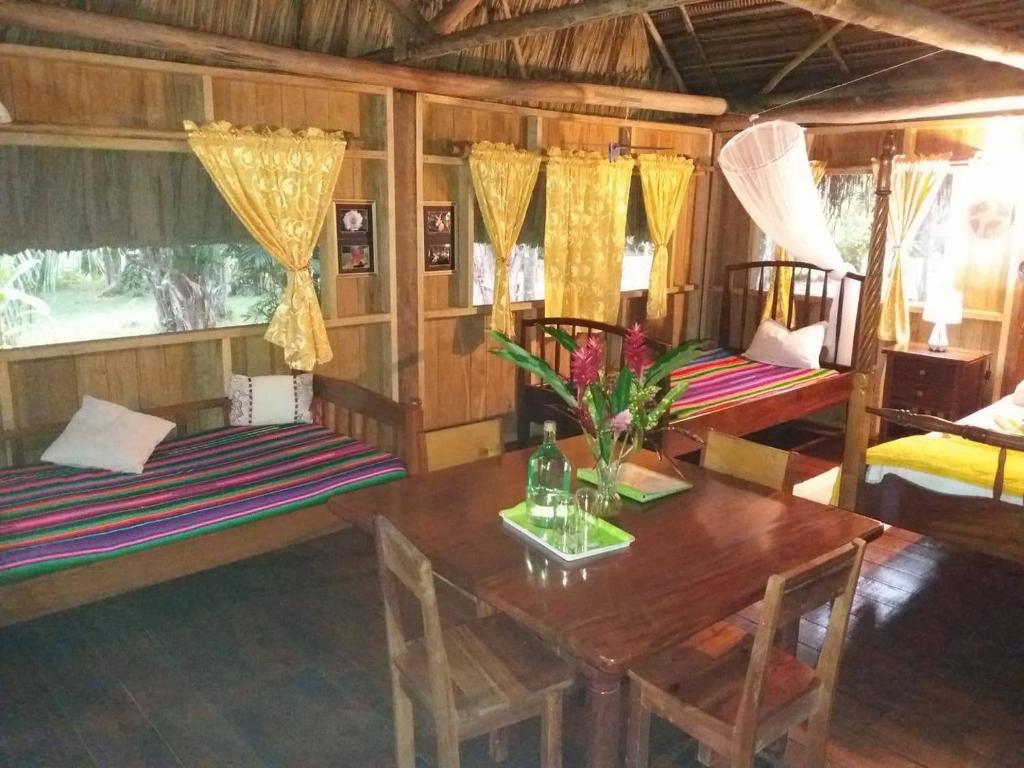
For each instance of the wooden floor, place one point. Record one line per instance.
(279, 661)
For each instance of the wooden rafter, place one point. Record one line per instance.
(692, 32)
(538, 22)
(449, 17)
(210, 48)
(663, 52)
(408, 14)
(517, 48)
(833, 48)
(914, 22)
(801, 57)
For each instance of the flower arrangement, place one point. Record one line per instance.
(615, 410)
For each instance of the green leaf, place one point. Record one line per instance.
(518, 356)
(673, 394)
(563, 338)
(672, 359)
(620, 395)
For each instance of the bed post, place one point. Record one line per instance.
(865, 359)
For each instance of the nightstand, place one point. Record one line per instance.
(946, 384)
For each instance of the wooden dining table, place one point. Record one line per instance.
(698, 557)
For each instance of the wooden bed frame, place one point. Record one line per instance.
(536, 402)
(987, 525)
(345, 407)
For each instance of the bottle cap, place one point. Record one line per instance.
(549, 427)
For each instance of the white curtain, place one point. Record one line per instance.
(767, 167)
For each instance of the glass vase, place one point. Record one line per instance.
(609, 502)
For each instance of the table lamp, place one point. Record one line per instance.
(946, 308)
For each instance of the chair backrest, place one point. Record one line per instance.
(831, 578)
(401, 564)
(749, 461)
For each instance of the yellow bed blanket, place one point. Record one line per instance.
(951, 457)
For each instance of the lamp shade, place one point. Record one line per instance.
(5, 116)
(944, 307)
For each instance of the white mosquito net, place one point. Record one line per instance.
(767, 167)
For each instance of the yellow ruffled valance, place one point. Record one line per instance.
(503, 181)
(280, 184)
(585, 234)
(665, 180)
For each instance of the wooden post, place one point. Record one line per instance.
(408, 190)
(858, 424)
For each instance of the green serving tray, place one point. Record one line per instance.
(602, 537)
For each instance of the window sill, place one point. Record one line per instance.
(524, 306)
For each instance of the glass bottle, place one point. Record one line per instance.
(548, 476)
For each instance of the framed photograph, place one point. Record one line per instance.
(439, 237)
(356, 241)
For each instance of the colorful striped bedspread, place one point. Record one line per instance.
(719, 379)
(54, 517)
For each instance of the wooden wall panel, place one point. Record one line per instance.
(259, 102)
(72, 93)
(444, 125)
(571, 133)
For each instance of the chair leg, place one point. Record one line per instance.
(447, 749)
(638, 729)
(405, 737)
(551, 731)
(817, 736)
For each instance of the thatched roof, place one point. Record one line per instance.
(727, 48)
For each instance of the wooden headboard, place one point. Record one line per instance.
(745, 299)
(347, 408)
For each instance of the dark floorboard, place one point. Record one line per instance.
(280, 661)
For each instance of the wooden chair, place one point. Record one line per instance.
(746, 460)
(473, 679)
(737, 693)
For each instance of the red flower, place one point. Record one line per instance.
(636, 354)
(585, 364)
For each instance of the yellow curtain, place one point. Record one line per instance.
(915, 183)
(665, 179)
(818, 168)
(503, 181)
(585, 234)
(280, 184)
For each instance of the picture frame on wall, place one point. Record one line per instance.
(357, 245)
(439, 237)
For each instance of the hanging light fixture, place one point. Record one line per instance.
(5, 116)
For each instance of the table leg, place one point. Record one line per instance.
(603, 718)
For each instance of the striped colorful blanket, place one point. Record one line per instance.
(54, 517)
(719, 379)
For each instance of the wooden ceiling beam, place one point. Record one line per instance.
(538, 22)
(222, 50)
(914, 22)
(406, 13)
(692, 32)
(663, 52)
(853, 112)
(453, 14)
(801, 57)
(833, 48)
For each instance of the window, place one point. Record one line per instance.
(122, 243)
(526, 268)
(928, 249)
(849, 204)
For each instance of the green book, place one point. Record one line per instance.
(639, 483)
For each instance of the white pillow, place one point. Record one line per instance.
(1018, 395)
(103, 435)
(775, 344)
(259, 400)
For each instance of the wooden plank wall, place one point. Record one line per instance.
(465, 384)
(984, 285)
(62, 99)
(74, 99)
